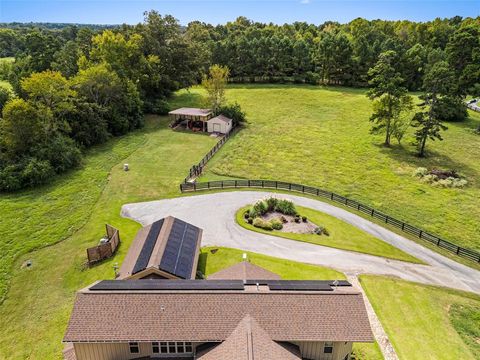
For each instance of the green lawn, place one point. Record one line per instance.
(221, 258)
(211, 262)
(342, 235)
(320, 137)
(416, 318)
(40, 298)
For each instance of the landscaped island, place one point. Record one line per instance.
(281, 217)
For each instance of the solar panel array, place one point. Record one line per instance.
(306, 285)
(148, 246)
(208, 285)
(179, 255)
(157, 284)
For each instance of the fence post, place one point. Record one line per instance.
(276, 184)
(386, 219)
(458, 249)
(318, 192)
(208, 186)
(289, 186)
(331, 196)
(373, 212)
(403, 226)
(248, 183)
(235, 184)
(194, 186)
(303, 189)
(262, 184)
(420, 234)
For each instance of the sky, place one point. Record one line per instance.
(221, 11)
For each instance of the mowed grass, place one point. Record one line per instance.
(416, 318)
(40, 298)
(342, 235)
(320, 137)
(213, 259)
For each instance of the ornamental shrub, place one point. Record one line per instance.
(286, 207)
(276, 224)
(262, 224)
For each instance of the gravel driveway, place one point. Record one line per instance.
(215, 214)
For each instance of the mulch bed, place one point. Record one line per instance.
(291, 226)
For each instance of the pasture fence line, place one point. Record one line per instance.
(197, 169)
(281, 185)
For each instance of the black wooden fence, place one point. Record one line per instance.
(196, 170)
(271, 184)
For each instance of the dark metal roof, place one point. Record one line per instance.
(169, 245)
(209, 285)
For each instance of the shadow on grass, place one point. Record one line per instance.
(202, 263)
(433, 159)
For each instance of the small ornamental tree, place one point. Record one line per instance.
(215, 84)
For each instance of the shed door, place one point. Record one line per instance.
(216, 127)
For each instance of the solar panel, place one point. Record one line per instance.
(179, 254)
(299, 285)
(157, 284)
(148, 246)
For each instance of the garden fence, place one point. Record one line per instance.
(271, 184)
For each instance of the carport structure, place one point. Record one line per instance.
(196, 118)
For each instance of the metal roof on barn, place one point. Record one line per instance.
(169, 245)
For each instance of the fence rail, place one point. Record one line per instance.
(196, 170)
(271, 184)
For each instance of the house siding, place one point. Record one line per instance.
(111, 351)
(313, 350)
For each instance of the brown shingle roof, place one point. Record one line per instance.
(244, 271)
(250, 342)
(212, 316)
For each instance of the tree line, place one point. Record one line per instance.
(76, 86)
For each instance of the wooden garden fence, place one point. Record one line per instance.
(107, 249)
(271, 184)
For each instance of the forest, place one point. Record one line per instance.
(71, 87)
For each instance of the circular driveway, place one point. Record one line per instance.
(215, 214)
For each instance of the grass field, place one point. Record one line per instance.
(75, 207)
(342, 235)
(40, 298)
(320, 137)
(289, 270)
(417, 321)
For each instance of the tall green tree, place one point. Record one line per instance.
(387, 93)
(439, 82)
(215, 84)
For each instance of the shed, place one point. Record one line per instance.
(220, 124)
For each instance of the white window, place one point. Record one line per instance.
(171, 347)
(155, 348)
(134, 349)
(328, 348)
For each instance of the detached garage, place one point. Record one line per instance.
(220, 124)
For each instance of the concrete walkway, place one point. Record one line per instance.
(215, 214)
